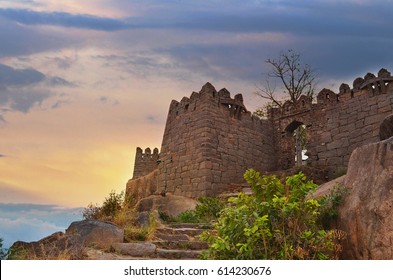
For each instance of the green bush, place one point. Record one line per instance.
(278, 222)
(111, 206)
(207, 210)
(189, 216)
(329, 205)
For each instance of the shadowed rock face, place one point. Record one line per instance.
(366, 214)
(386, 128)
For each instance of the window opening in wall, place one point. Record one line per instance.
(296, 131)
(300, 140)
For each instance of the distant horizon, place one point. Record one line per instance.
(32, 222)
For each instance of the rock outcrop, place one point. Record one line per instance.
(71, 244)
(56, 246)
(386, 128)
(96, 234)
(366, 214)
(171, 205)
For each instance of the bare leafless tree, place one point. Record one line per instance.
(295, 79)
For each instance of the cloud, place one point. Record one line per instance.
(153, 119)
(19, 77)
(31, 222)
(17, 39)
(22, 100)
(30, 17)
(57, 81)
(22, 89)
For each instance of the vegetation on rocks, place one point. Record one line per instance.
(111, 206)
(116, 210)
(207, 210)
(278, 222)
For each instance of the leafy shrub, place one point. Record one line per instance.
(111, 206)
(189, 216)
(278, 222)
(207, 210)
(329, 205)
(92, 212)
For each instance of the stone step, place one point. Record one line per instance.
(246, 191)
(172, 237)
(178, 254)
(180, 231)
(152, 250)
(184, 245)
(190, 225)
(135, 249)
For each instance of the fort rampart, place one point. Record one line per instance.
(210, 138)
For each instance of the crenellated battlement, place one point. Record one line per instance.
(210, 137)
(145, 162)
(370, 86)
(209, 95)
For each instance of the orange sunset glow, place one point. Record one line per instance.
(84, 83)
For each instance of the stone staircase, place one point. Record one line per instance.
(172, 241)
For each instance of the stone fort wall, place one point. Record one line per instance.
(335, 125)
(210, 139)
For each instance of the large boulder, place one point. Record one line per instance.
(171, 205)
(56, 246)
(70, 245)
(96, 234)
(367, 211)
(386, 128)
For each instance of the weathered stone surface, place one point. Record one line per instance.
(210, 139)
(178, 254)
(145, 162)
(171, 205)
(140, 249)
(386, 128)
(180, 244)
(172, 237)
(56, 246)
(141, 187)
(143, 219)
(187, 231)
(327, 188)
(95, 233)
(366, 214)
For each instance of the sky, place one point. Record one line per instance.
(85, 82)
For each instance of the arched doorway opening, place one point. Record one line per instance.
(297, 131)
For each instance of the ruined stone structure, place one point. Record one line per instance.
(210, 139)
(145, 162)
(335, 125)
